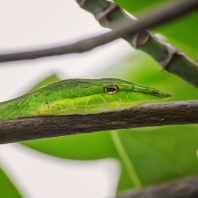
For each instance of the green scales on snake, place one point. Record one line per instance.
(79, 96)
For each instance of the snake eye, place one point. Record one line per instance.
(153, 93)
(111, 89)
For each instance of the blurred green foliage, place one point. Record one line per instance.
(7, 189)
(181, 33)
(157, 154)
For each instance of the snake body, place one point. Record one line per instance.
(79, 96)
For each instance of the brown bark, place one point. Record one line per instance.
(151, 114)
(182, 188)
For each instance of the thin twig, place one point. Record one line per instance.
(159, 16)
(151, 114)
(182, 188)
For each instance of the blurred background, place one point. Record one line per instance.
(90, 165)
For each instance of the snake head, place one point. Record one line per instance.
(134, 92)
(154, 94)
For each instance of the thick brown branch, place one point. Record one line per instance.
(159, 16)
(151, 114)
(183, 188)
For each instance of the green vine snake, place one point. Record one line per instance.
(79, 96)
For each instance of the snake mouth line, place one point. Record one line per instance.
(168, 95)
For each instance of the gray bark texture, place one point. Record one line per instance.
(182, 188)
(150, 114)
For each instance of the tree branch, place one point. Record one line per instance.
(182, 188)
(150, 114)
(168, 57)
(159, 16)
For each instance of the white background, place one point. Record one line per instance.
(26, 24)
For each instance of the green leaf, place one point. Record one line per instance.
(80, 147)
(7, 189)
(141, 68)
(157, 154)
(160, 154)
(149, 155)
(51, 79)
(134, 6)
(180, 33)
